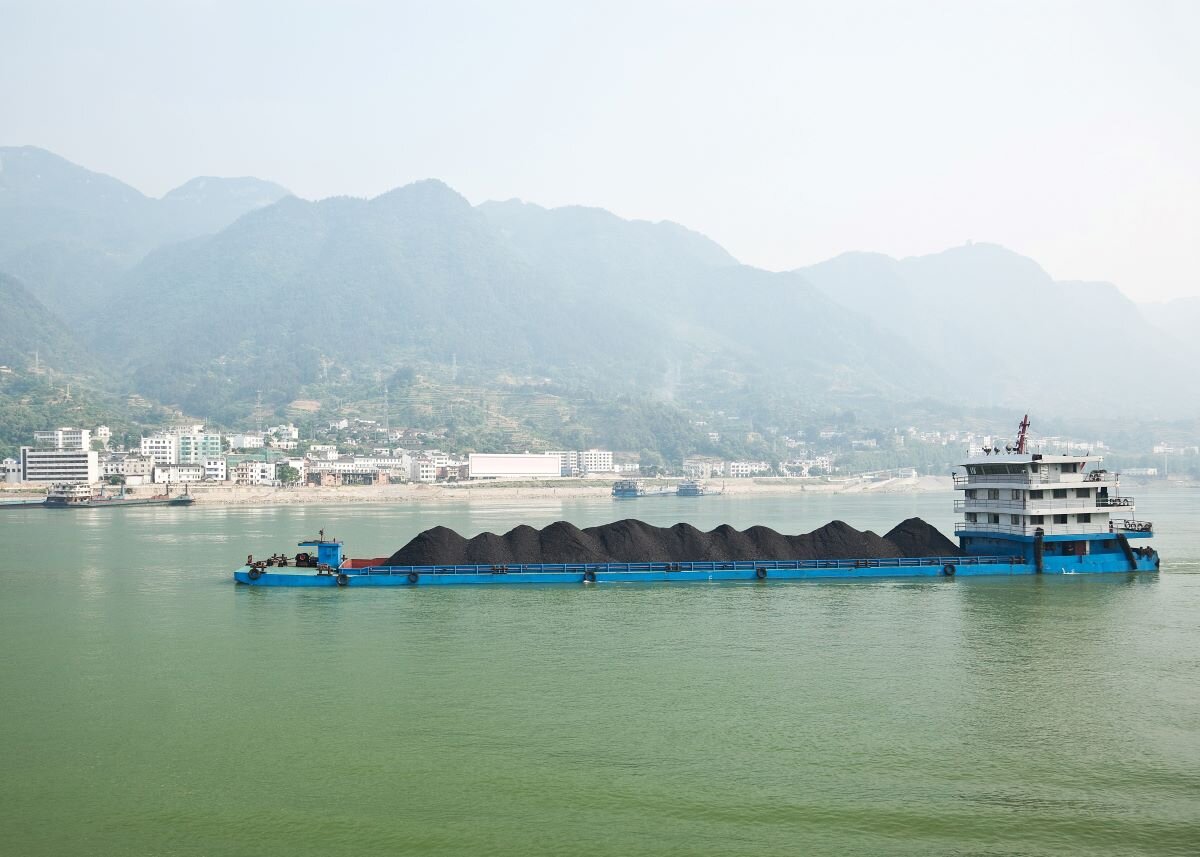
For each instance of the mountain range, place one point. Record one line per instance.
(227, 291)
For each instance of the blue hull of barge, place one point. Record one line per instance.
(687, 572)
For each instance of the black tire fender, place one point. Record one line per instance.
(589, 576)
(949, 571)
(343, 579)
(255, 573)
(760, 573)
(413, 577)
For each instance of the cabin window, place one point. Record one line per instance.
(1016, 494)
(972, 470)
(1037, 519)
(970, 493)
(1083, 492)
(1014, 519)
(1035, 495)
(1060, 519)
(1060, 493)
(970, 517)
(993, 519)
(1085, 518)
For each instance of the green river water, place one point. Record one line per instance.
(149, 706)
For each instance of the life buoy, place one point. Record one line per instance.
(949, 571)
(255, 573)
(589, 576)
(343, 579)
(413, 577)
(760, 573)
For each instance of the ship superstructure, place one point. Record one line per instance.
(1055, 512)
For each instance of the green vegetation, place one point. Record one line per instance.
(508, 326)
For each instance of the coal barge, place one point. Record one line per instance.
(1023, 513)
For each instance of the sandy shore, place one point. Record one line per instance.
(483, 492)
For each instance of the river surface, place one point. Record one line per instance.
(149, 706)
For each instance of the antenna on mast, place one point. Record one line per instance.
(1023, 436)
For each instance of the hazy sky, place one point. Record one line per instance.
(787, 132)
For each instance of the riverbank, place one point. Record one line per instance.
(209, 494)
(483, 492)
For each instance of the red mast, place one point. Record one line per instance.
(1023, 436)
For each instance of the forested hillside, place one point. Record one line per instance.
(511, 325)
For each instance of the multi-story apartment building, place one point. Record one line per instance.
(63, 438)
(169, 473)
(215, 469)
(596, 461)
(59, 465)
(188, 445)
(253, 472)
(60, 455)
(160, 448)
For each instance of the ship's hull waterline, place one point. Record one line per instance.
(698, 572)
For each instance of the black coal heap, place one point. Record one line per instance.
(636, 541)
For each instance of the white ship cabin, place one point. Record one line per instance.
(70, 493)
(1011, 496)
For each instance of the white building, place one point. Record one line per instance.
(215, 469)
(300, 465)
(285, 432)
(744, 469)
(161, 448)
(596, 461)
(168, 473)
(422, 469)
(195, 446)
(527, 465)
(246, 441)
(699, 467)
(59, 465)
(253, 473)
(104, 435)
(10, 470)
(63, 438)
(568, 462)
(127, 464)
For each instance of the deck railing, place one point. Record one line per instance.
(963, 481)
(1129, 525)
(1049, 504)
(797, 565)
(1092, 529)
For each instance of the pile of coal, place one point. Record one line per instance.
(636, 541)
(915, 537)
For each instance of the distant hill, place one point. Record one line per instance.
(69, 232)
(510, 320)
(576, 295)
(49, 378)
(1005, 333)
(29, 329)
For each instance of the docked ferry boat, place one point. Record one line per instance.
(81, 495)
(1023, 513)
(627, 489)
